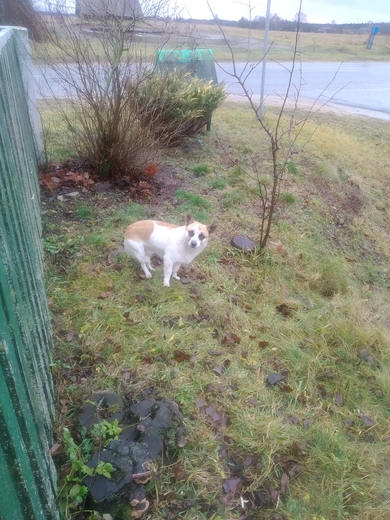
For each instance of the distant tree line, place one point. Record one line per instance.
(279, 24)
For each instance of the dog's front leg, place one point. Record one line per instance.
(168, 266)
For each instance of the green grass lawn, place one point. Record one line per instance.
(313, 309)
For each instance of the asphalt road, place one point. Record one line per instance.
(357, 87)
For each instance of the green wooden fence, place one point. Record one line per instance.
(27, 473)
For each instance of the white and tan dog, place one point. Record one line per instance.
(176, 245)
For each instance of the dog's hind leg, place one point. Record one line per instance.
(176, 267)
(137, 251)
(148, 264)
(145, 269)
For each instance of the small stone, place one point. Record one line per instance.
(366, 356)
(73, 194)
(243, 242)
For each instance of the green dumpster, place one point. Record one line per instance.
(197, 62)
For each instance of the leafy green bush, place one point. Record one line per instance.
(176, 105)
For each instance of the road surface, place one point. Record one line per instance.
(357, 87)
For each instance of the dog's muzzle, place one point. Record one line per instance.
(193, 243)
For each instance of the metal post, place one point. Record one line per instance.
(265, 51)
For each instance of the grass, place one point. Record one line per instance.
(314, 310)
(200, 170)
(312, 46)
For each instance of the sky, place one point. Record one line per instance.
(317, 11)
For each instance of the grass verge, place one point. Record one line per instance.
(279, 362)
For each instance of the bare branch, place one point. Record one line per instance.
(282, 139)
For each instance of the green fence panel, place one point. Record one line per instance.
(28, 475)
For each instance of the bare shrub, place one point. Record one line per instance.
(99, 68)
(282, 132)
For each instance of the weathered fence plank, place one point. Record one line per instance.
(26, 392)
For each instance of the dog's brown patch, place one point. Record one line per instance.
(139, 231)
(166, 224)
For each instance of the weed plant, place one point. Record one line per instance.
(279, 361)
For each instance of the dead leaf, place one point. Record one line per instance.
(180, 475)
(277, 247)
(151, 170)
(273, 494)
(298, 449)
(329, 373)
(230, 339)
(56, 449)
(283, 483)
(231, 487)
(232, 484)
(232, 298)
(70, 336)
(285, 310)
(295, 470)
(259, 499)
(338, 399)
(367, 420)
(218, 369)
(50, 182)
(225, 421)
(211, 412)
(263, 344)
(200, 403)
(64, 406)
(272, 379)
(181, 356)
(302, 398)
(293, 419)
(105, 295)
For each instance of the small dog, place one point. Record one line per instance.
(176, 245)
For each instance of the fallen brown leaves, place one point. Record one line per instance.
(68, 176)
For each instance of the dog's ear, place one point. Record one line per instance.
(189, 219)
(212, 227)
